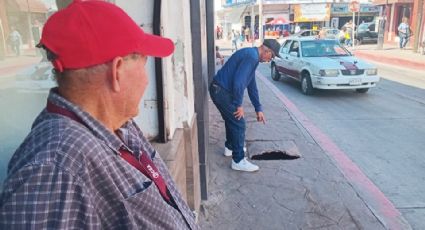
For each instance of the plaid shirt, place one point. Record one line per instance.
(67, 175)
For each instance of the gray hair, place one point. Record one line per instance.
(83, 74)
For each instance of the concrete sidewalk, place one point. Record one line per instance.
(391, 55)
(306, 193)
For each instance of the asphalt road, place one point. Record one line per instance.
(382, 131)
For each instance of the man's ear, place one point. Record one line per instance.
(117, 73)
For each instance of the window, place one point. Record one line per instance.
(25, 79)
(294, 47)
(285, 47)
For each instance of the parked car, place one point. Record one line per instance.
(306, 33)
(322, 64)
(366, 33)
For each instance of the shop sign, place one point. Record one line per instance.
(371, 9)
(311, 12)
(354, 6)
(230, 3)
(339, 8)
(343, 8)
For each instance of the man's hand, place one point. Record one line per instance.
(261, 118)
(239, 113)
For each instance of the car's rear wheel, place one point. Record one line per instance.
(358, 42)
(306, 86)
(274, 73)
(364, 90)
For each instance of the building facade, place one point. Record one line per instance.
(393, 13)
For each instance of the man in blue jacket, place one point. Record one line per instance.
(227, 90)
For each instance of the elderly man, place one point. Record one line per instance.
(86, 164)
(227, 90)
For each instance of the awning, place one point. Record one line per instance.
(34, 6)
(279, 21)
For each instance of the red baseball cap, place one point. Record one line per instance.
(88, 33)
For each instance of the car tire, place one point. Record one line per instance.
(363, 90)
(274, 73)
(357, 42)
(306, 86)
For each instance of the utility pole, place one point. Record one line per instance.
(260, 20)
(420, 14)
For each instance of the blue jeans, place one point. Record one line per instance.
(403, 40)
(235, 129)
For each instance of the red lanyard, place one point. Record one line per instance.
(144, 165)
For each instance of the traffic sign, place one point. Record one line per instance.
(354, 6)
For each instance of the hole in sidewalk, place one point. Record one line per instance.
(275, 155)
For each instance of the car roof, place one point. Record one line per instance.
(308, 38)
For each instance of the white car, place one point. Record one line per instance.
(323, 64)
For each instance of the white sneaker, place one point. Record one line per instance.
(244, 165)
(228, 152)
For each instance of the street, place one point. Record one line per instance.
(382, 131)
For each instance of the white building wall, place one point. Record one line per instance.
(177, 69)
(142, 13)
(178, 81)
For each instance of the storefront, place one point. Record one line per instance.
(393, 12)
(340, 14)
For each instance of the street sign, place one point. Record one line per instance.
(354, 6)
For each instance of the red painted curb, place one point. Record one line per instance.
(391, 60)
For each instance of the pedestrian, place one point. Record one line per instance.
(347, 37)
(247, 34)
(218, 56)
(85, 163)
(15, 40)
(403, 32)
(227, 90)
(297, 28)
(217, 30)
(234, 38)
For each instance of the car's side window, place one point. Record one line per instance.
(314, 32)
(285, 47)
(306, 33)
(295, 48)
(372, 28)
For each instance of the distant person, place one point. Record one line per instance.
(218, 32)
(227, 91)
(247, 34)
(347, 37)
(349, 26)
(404, 32)
(36, 31)
(322, 33)
(15, 40)
(218, 56)
(86, 163)
(234, 38)
(297, 29)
